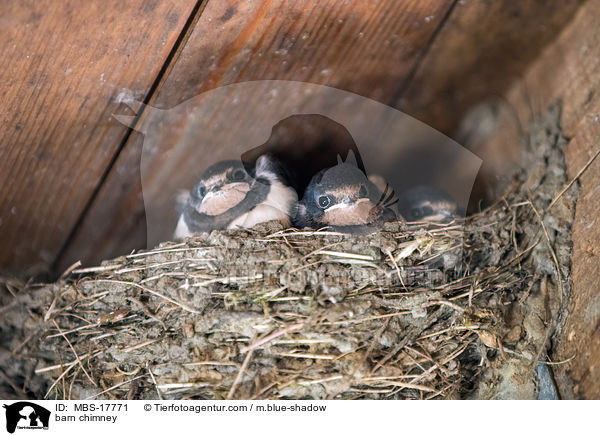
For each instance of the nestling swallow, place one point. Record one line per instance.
(228, 197)
(343, 198)
(425, 203)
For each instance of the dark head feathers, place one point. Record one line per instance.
(426, 203)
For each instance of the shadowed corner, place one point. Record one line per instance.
(306, 144)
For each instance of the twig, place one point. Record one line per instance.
(115, 387)
(272, 336)
(74, 362)
(369, 318)
(579, 174)
(311, 233)
(376, 338)
(389, 253)
(208, 362)
(75, 353)
(140, 345)
(70, 269)
(83, 327)
(154, 381)
(411, 386)
(558, 276)
(96, 269)
(346, 255)
(238, 378)
(150, 291)
(52, 306)
(323, 380)
(308, 356)
(562, 362)
(69, 367)
(321, 248)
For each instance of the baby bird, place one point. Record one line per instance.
(343, 198)
(228, 197)
(425, 203)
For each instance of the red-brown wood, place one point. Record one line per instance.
(65, 68)
(568, 71)
(483, 47)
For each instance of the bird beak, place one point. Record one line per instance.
(224, 189)
(442, 216)
(346, 203)
(221, 198)
(351, 212)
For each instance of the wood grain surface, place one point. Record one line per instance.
(568, 70)
(66, 66)
(366, 47)
(580, 338)
(483, 47)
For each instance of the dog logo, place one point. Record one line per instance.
(26, 415)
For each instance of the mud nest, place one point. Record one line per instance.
(464, 310)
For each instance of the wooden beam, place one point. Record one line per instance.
(66, 68)
(568, 70)
(481, 50)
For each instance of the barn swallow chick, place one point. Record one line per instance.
(343, 198)
(425, 203)
(229, 197)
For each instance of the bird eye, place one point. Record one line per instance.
(238, 175)
(323, 201)
(362, 192)
(201, 190)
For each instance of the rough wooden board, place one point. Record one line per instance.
(580, 337)
(66, 67)
(569, 70)
(364, 47)
(481, 49)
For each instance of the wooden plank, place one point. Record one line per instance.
(568, 70)
(367, 47)
(482, 48)
(65, 68)
(580, 336)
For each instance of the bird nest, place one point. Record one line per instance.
(463, 310)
